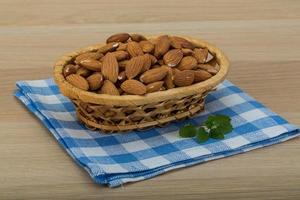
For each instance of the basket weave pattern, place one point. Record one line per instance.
(131, 112)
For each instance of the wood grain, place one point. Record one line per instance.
(261, 38)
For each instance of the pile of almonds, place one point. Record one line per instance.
(131, 64)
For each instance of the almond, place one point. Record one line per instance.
(147, 46)
(134, 49)
(109, 88)
(88, 55)
(201, 75)
(78, 81)
(110, 67)
(212, 62)
(147, 62)
(201, 54)
(137, 37)
(162, 46)
(154, 87)
(209, 68)
(133, 87)
(187, 63)
(187, 52)
(122, 76)
(173, 57)
(69, 69)
(169, 79)
(91, 64)
(108, 47)
(179, 43)
(84, 72)
(161, 62)
(153, 59)
(122, 64)
(121, 55)
(154, 75)
(119, 37)
(122, 47)
(184, 78)
(134, 66)
(95, 81)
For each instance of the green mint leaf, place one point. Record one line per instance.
(189, 130)
(216, 135)
(214, 121)
(202, 135)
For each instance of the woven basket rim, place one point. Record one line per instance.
(126, 100)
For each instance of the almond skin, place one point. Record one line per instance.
(122, 64)
(209, 68)
(84, 72)
(109, 88)
(154, 87)
(88, 55)
(184, 78)
(133, 87)
(69, 69)
(108, 47)
(187, 52)
(173, 57)
(119, 37)
(122, 47)
(121, 55)
(201, 75)
(154, 75)
(134, 49)
(187, 63)
(147, 46)
(179, 43)
(95, 81)
(78, 81)
(169, 79)
(134, 66)
(110, 67)
(137, 37)
(91, 64)
(122, 76)
(201, 54)
(147, 62)
(153, 59)
(162, 46)
(212, 62)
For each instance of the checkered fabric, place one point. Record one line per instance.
(114, 159)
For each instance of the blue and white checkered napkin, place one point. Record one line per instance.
(119, 158)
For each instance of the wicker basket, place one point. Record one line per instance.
(132, 112)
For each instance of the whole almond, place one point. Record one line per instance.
(154, 87)
(122, 76)
(121, 55)
(187, 62)
(119, 37)
(179, 43)
(153, 59)
(201, 54)
(95, 81)
(137, 37)
(154, 75)
(110, 67)
(147, 46)
(69, 69)
(134, 66)
(134, 49)
(122, 47)
(78, 81)
(91, 64)
(108, 47)
(162, 46)
(147, 62)
(88, 55)
(209, 68)
(133, 87)
(212, 62)
(169, 79)
(201, 75)
(187, 52)
(109, 88)
(184, 78)
(84, 72)
(173, 57)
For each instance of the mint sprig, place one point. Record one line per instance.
(216, 126)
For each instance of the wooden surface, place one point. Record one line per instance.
(261, 38)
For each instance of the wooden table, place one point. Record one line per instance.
(261, 38)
